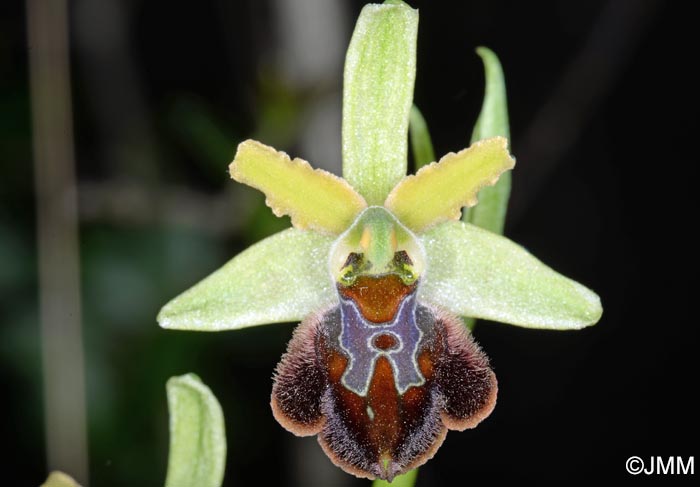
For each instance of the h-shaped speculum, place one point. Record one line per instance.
(362, 341)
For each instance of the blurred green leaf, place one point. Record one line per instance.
(280, 110)
(380, 69)
(281, 279)
(261, 223)
(473, 272)
(421, 144)
(490, 213)
(208, 141)
(197, 435)
(59, 479)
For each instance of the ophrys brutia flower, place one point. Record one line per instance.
(379, 269)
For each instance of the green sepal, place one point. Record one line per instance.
(473, 272)
(380, 69)
(280, 279)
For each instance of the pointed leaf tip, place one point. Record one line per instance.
(490, 213)
(439, 190)
(493, 117)
(313, 198)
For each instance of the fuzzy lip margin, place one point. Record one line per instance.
(304, 400)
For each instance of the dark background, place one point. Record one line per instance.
(602, 110)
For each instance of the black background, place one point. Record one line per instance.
(603, 123)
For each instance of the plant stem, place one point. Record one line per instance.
(57, 235)
(406, 480)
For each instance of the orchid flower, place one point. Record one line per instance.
(380, 270)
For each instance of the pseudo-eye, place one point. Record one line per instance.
(381, 376)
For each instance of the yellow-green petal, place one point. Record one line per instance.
(476, 273)
(280, 279)
(313, 198)
(197, 455)
(439, 190)
(380, 69)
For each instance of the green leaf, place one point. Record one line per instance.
(439, 190)
(406, 480)
(197, 434)
(280, 279)
(490, 213)
(59, 479)
(315, 199)
(380, 69)
(493, 119)
(421, 144)
(476, 273)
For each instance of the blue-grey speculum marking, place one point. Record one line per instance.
(357, 340)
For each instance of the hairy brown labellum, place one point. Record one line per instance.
(381, 396)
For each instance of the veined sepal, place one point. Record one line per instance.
(473, 272)
(283, 278)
